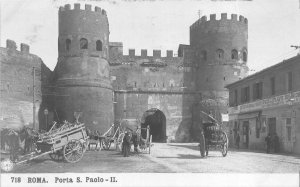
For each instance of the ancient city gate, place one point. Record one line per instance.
(168, 114)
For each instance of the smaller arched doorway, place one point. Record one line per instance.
(157, 123)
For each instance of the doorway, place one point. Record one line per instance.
(157, 123)
(246, 134)
(272, 126)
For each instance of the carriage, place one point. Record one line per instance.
(214, 136)
(66, 142)
(115, 134)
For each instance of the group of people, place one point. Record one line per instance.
(272, 142)
(129, 139)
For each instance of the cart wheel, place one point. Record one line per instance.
(106, 143)
(120, 141)
(73, 151)
(56, 156)
(225, 144)
(150, 142)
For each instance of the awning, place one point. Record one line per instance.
(249, 115)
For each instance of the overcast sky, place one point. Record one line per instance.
(273, 25)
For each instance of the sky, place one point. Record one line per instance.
(273, 26)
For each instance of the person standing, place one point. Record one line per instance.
(202, 144)
(126, 144)
(237, 141)
(268, 142)
(276, 143)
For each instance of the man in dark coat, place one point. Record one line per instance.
(268, 141)
(276, 143)
(202, 144)
(135, 140)
(126, 144)
(237, 141)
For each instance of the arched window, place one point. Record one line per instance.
(234, 54)
(245, 56)
(68, 44)
(98, 45)
(83, 43)
(220, 54)
(203, 55)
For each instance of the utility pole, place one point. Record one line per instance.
(33, 97)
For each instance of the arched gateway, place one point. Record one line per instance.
(157, 123)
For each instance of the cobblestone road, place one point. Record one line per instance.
(169, 158)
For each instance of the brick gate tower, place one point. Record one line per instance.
(82, 73)
(220, 53)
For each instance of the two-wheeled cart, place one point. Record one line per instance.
(67, 142)
(116, 133)
(214, 136)
(145, 143)
(113, 135)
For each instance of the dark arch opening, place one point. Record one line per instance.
(68, 44)
(157, 123)
(234, 54)
(83, 43)
(220, 54)
(98, 45)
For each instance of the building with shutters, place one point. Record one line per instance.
(267, 102)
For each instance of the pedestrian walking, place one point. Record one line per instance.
(268, 142)
(237, 141)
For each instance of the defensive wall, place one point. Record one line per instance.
(144, 82)
(17, 85)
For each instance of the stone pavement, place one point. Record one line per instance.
(169, 158)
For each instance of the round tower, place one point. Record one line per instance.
(82, 72)
(221, 54)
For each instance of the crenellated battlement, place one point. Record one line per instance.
(156, 53)
(203, 21)
(11, 45)
(77, 7)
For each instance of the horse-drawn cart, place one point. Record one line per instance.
(67, 142)
(113, 135)
(139, 135)
(214, 136)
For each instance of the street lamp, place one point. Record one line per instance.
(46, 112)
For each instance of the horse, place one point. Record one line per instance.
(12, 139)
(94, 139)
(31, 136)
(4, 132)
(18, 142)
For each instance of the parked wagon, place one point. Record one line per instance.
(214, 136)
(145, 143)
(112, 135)
(115, 134)
(67, 142)
(141, 137)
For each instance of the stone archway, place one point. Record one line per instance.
(157, 123)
